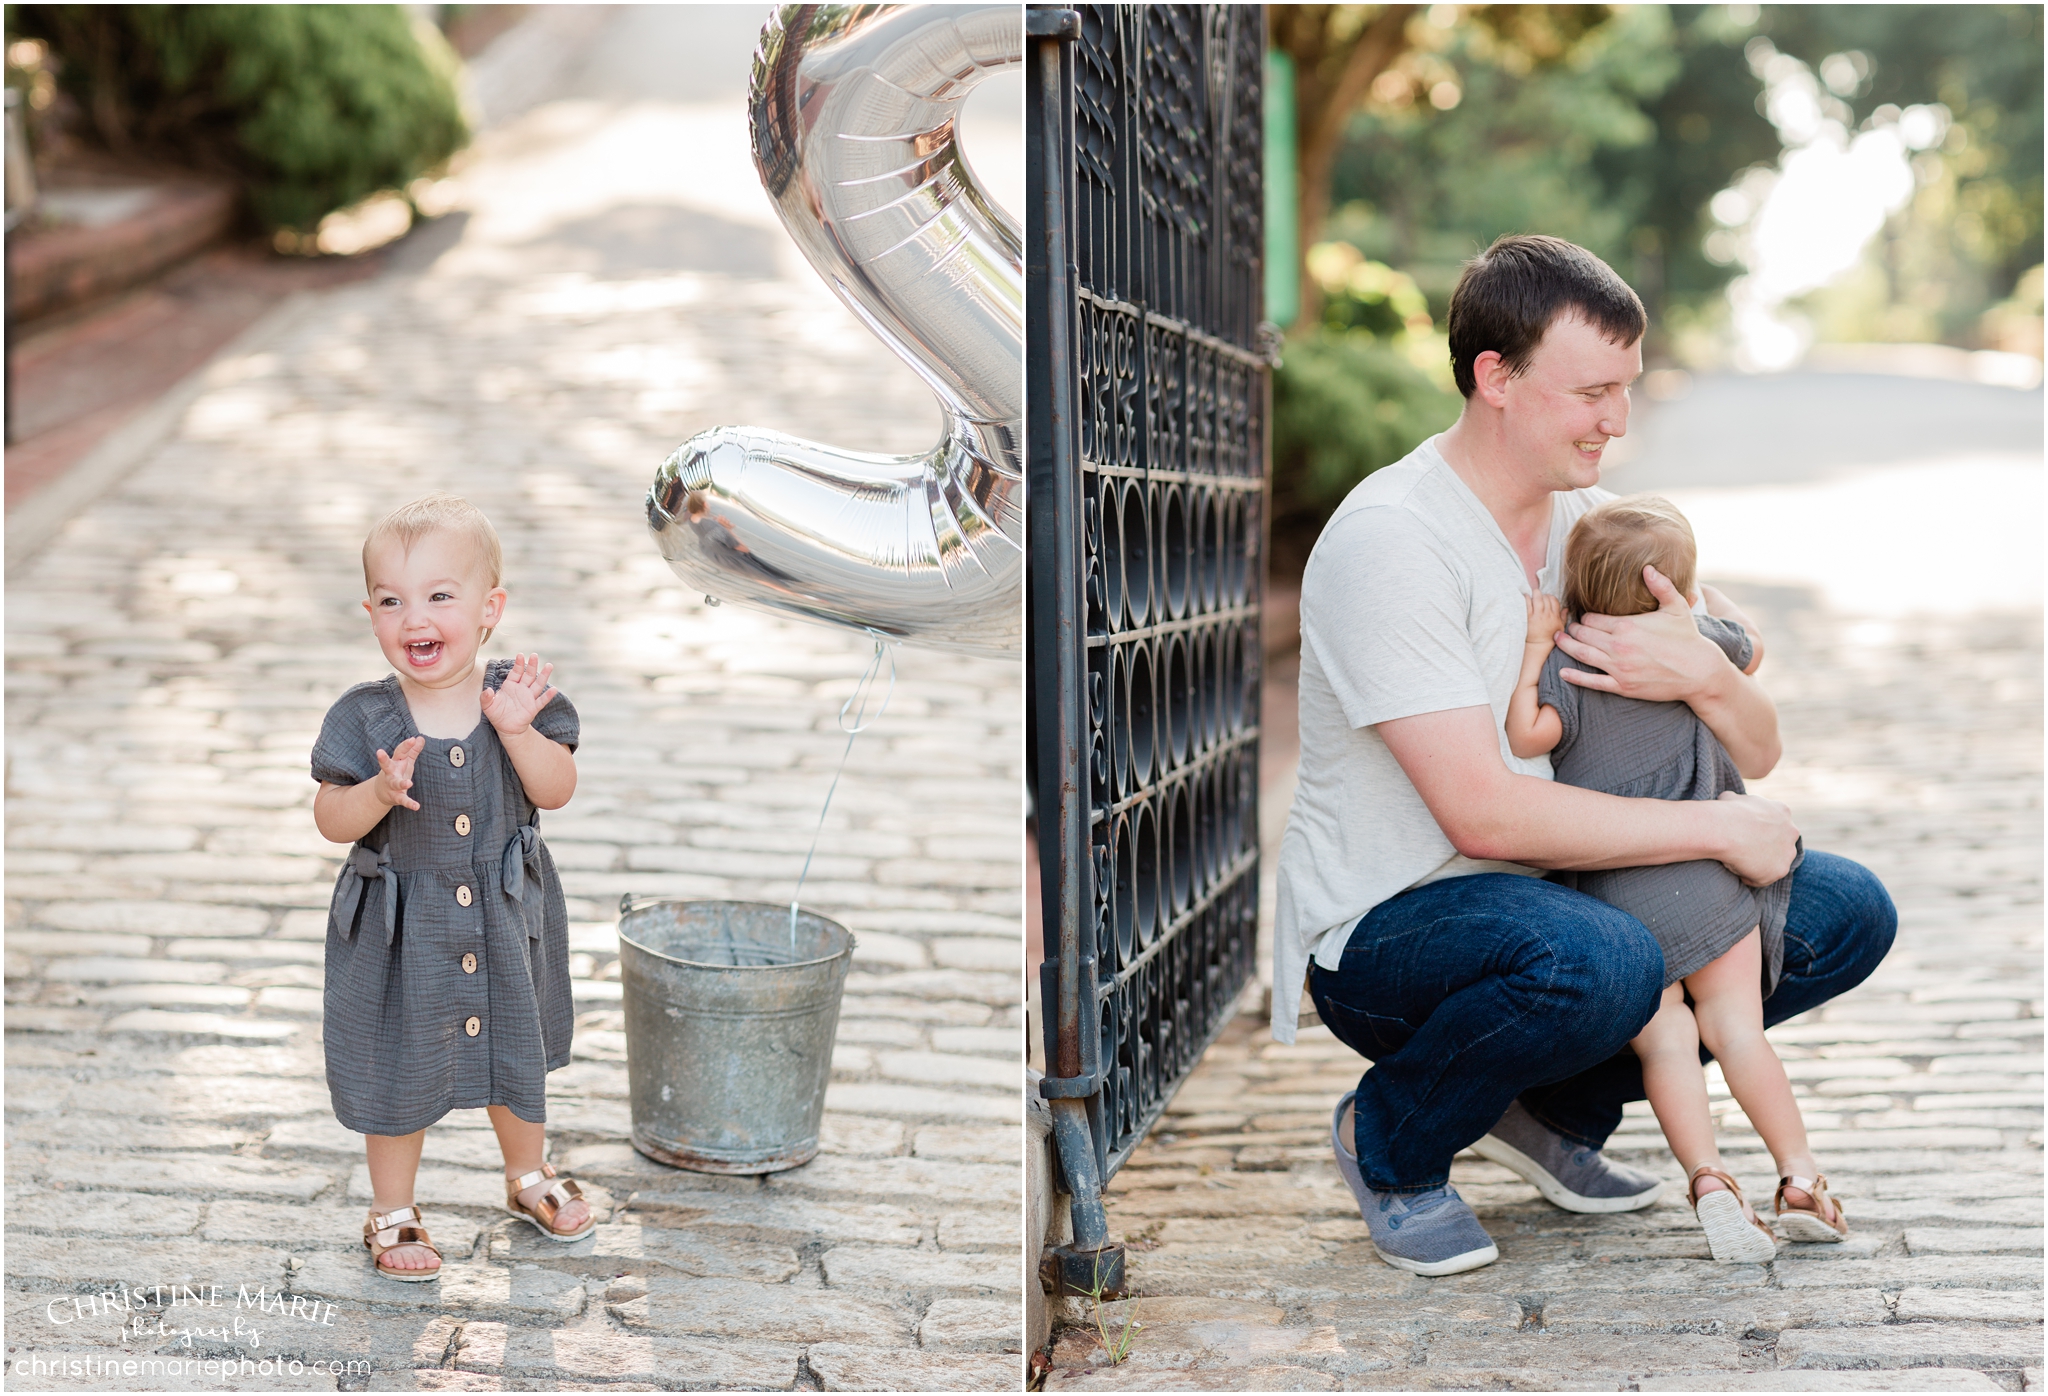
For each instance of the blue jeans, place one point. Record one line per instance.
(1471, 992)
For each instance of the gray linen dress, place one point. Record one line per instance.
(447, 939)
(1662, 751)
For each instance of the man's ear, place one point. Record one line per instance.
(1490, 377)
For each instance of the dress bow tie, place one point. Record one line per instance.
(368, 864)
(520, 854)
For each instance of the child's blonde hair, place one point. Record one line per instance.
(439, 513)
(1609, 546)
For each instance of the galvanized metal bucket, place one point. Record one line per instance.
(729, 1028)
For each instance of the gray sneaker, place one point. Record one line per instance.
(1575, 1178)
(1426, 1233)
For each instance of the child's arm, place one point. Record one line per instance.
(344, 813)
(1720, 607)
(547, 769)
(1534, 728)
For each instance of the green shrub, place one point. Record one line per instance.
(1343, 406)
(314, 106)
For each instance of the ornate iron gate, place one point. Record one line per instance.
(1147, 386)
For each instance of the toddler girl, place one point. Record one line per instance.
(447, 940)
(1723, 940)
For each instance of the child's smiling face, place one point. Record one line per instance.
(430, 608)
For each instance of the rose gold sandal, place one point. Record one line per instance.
(410, 1233)
(1809, 1223)
(548, 1205)
(1735, 1234)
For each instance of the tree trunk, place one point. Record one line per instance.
(1331, 82)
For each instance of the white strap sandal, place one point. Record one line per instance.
(1735, 1234)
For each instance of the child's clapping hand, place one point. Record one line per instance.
(394, 773)
(1546, 618)
(513, 706)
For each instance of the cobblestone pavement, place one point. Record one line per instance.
(169, 659)
(1913, 746)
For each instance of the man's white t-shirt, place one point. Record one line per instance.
(1412, 602)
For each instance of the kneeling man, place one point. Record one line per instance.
(1494, 1005)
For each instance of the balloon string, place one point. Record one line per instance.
(863, 689)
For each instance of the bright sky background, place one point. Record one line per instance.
(1802, 225)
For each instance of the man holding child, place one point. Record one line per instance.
(1496, 1005)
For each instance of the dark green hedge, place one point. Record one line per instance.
(314, 106)
(1343, 406)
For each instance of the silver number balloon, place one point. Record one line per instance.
(854, 110)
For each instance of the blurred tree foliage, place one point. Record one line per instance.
(1345, 55)
(314, 106)
(1365, 391)
(1618, 144)
(1343, 406)
(1956, 260)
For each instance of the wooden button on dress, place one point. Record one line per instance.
(462, 897)
(462, 825)
(473, 1026)
(469, 964)
(455, 756)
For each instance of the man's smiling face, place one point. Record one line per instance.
(1570, 402)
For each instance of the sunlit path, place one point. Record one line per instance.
(613, 284)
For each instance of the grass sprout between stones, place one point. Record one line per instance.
(1119, 1347)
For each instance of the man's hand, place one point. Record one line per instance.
(1660, 656)
(1546, 617)
(1663, 657)
(1762, 838)
(512, 707)
(394, 773)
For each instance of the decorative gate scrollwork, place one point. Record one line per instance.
(1148, 393)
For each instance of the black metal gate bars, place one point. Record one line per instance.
(1147, 455)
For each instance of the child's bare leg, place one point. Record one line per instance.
(394, 1165)
(1669, 1047)
(524, 1144)
(1728, 1006)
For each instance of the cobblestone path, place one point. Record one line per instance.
(1911, 746)
(169, 659)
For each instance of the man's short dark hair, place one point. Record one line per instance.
(1511, 292)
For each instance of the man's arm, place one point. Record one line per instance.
(1487, 811)
(1661, 656)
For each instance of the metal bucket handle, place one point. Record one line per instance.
(629, 904)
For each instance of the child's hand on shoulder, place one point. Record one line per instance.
(513, 706)
(394, 772)
(1546, 617)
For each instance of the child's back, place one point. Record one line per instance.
(1662, 751)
